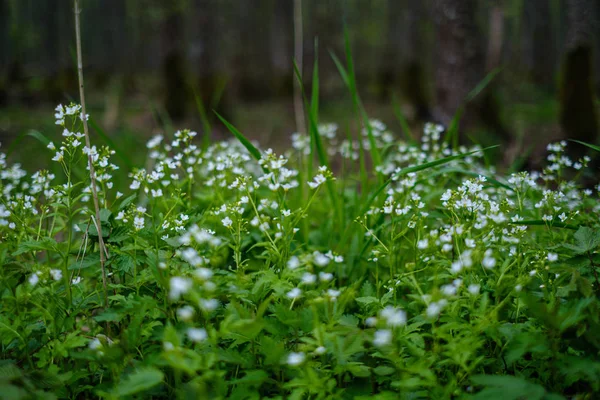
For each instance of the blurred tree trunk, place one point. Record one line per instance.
(577, 109)
(173, 64)
(461, 66)
(403, 64)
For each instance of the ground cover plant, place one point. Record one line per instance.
(236, 272)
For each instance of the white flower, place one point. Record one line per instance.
(197, 334)
(294, 293)
(393, 316)
(179, 286)
(474, 289)
(325, 276)
(295, 359)
(320, 350)
(95, 344)
(34, 279)
(226, 222)
(209, 305)
(185, 312)
(138, 223)
(434, 309)
(56, 274)
(317, 181)
(309, 278)
(155, 141)
(320, 259)
(156, 193)
(371, 321)
(58, 157)
(383, 337)
(293, 262)
(552, 257)
(51, 146)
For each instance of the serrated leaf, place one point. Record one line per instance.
(36, 245)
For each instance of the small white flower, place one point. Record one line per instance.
(474, 289)
(295, 359)
(56, 274)
(383, 337)
(552, 257)
(34, 279)
(325, 276)
(138, 223)
(197, 334)
(293, 262)
(179, 286)
(320, 350)
(185, 312)
(309, 278)
(294, 293)
(227, 222)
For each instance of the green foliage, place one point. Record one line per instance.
(230, 274)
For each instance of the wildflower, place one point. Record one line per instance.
(320, 350)
(371, 321)
(295, 359)
(552, 257)
(294, 293)
(383, 337)
(309, 278)
(325, 276)
(489, 261)
(138, 223)
(317, 181)
(209, 305)
(320, 259)
(34, 279)
(185, 313)
(293, 263)
(56, 274)
(197, 334)
(179, 286)
(393, 316)
(474, 289)
(227, 222)
(434, 309)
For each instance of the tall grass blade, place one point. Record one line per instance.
(243, 140)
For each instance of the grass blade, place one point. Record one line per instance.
(243, 140)
(591, 146)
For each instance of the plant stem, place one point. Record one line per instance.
(77, 12)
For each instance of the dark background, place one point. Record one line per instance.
(147, 62)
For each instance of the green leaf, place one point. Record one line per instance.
(587, 239)
(127, 201)
(48, 244)
(382, 370)
(507, 387)
(90, 260)
(139, 381)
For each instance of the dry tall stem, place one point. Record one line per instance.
(298, 55)
(87, 143)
